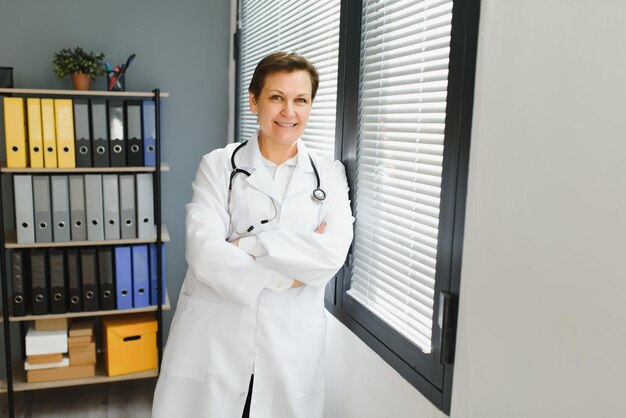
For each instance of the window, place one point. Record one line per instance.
(310, 28)
(401, 86)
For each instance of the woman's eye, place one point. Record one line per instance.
(275, 98)
(301, 100)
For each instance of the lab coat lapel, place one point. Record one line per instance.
(252, 161)
(302, 179)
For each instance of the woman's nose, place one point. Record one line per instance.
(288, 109)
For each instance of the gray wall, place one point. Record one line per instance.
(182, 48)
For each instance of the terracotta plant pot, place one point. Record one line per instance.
(80, 81)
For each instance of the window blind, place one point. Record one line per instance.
(402, 110)
(310, 28)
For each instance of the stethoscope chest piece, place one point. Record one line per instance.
(319, 195)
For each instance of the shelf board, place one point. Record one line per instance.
(20, 384)
(50, 92)
(28, 170)
(166, 307)
(10, 241)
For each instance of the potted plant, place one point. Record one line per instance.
(81, 65)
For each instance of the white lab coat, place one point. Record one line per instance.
(227, 325)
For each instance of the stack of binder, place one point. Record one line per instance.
(94, 207)
(66, 133)
(57, 280)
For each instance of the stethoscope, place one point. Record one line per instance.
(318, 194)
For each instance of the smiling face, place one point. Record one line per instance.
(283, 107)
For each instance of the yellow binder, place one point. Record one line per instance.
(64, 118)
(35, 139)
(48, 134)
(15, 132)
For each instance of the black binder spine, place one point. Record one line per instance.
(89, 272)
(107, 279)
(19, 276)
(134, 140)
(82, 129)
(39, 282)
(57, 281)
(117, 144)
(100, 142)
(75, 299)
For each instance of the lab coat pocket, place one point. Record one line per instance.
(310, 363)
(186, 352)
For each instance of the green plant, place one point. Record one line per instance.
(69, 61)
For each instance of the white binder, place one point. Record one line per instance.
(128, 214)
(77, 208)
(93, 205)
(42, 209)
(60, 209)
(111, 203)
(24, 210)
(145, 206)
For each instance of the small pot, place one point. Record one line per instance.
(80, 81)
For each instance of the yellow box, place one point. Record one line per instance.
(129, 343)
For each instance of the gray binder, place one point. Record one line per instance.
(128, 215)
(43, 215)
(93, 205)
(60, 209)
(100, 139)
(77, 208)
(24, 210)
(111, 202)
(145, 207)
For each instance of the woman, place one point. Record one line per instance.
(269, 224)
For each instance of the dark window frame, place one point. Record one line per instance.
(430, 374)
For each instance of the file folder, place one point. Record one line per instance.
(141, 276)
(82, 133)
(42, 209)
(145, 206)
(128, 213)
(60, 209)
(123, 277)
(15, 132)
(100, 138)
(77, 208)
(64, 119)
(48, 132)
(111, 202)
(93, 204)
(56, 257)
(134, 140)
(19, 276)
(39, 282)
(153, 274)
(149, 132)
(117, 145)
(35, 135)
(89, 276)
(24, 208)
(107, 279)
(74, 289)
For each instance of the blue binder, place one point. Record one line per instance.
(123, 277)
(149, 133)
(153, 274)
(141, 276)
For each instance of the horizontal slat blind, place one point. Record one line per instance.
(310, 28)
(402, 104)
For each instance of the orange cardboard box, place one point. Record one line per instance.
(80, 328)
(80, 358)
(84, 341)
(45, 358)
(129, 343)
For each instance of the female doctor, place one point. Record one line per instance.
(269, 224)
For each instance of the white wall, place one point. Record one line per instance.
(542, 323)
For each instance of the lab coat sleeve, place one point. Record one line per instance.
(310, 257)
(227, 269)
